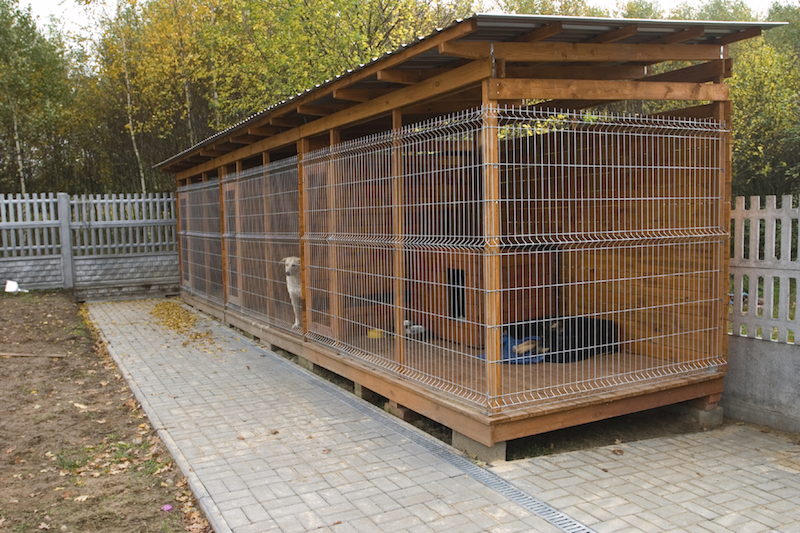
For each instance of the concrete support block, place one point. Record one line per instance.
(703, 416)
(305, 363)
(479, 451)
(400, 411)
(365, 393)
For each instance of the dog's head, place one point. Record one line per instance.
(291, 265)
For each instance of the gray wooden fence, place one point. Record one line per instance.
(764, 269)
(103, 246)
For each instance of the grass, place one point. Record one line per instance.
(72, 460)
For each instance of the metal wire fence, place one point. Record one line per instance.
(505, 257)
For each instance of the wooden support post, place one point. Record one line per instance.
(269, 253)
(223, 171)
(722, 113)
(302, 202)
(492, 260)
(397, 229)
(206, 216)
(333, 250)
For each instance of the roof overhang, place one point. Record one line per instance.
(553, 46)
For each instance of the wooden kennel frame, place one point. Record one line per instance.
(302, 152)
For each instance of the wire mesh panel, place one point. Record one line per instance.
(201, 240)
(617, 223)
(589, 259)
(395, 245)
(261, 232)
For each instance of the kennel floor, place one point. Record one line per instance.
(461, 371)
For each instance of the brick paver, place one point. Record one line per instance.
(267, 447)
(266, 450)
(737, 478)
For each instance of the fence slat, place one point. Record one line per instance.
(766, 302)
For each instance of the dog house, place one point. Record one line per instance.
(486, 236)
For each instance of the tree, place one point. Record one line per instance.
(765, 121)
(32, 89)
(553, 7)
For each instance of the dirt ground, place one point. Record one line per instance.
(76, 452)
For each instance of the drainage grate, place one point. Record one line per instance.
(487, 478)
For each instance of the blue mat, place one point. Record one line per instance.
(508, 355)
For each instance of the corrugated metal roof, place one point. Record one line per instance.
(504, 28)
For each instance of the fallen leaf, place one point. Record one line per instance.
(240, 437)
(80, 406)
(326, 450)
(43, 525)
(617, 452)
(81, 498)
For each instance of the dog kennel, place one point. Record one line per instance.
(483, 237)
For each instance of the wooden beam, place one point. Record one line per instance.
(408, 76)
(508, 89)
(360, 95)
(681, 36)
(583, 52)
(212, 152)
(264, 131)
(288, 122)
(615, 35)
(569, 104)
(315, 110)
(617, 72)
(540, 34)
(739, 36)
(244, 139)
(701, 73)
(701, 111)
(451, 81)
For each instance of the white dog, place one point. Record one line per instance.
(294, 286)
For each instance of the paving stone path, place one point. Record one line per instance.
(267, 446)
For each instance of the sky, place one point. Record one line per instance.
(74, 17)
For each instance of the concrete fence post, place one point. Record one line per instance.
(65, 217)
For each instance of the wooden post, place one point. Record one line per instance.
(333, 251)
(302, 202)
(722, 113)
(492, 316)
(269, 255)
(223, 171)
(397, 229)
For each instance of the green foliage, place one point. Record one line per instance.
(578, 8)
(766, 135)
(33, 93)
(161, 75)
